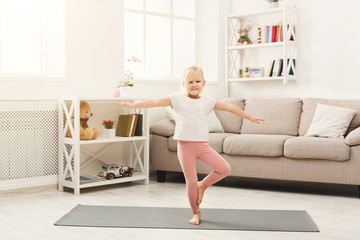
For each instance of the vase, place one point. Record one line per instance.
(122, 91)
(116, 93)
(108, 133)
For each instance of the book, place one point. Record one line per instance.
(280, 67)
(132, 126)
(84, 179)
(273, 35)
(135, 123)
(269, 34)
(266, 34)
(275, 69)
(271, 68)
(278, 33)
(125, 125)
(138, 130)
(292, 32)
(291, 67)
(263, 36)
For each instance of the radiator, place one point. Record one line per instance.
(28, 144)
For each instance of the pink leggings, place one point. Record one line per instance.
(188, 152)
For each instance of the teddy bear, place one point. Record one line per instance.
(86, 133)
(243, 39)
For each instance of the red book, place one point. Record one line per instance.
(135, 123)
(273, 33)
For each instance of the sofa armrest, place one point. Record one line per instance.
(353, 138)
(164, 127)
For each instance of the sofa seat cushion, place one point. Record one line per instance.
(255, 144)
(215, 142)
(317, 148)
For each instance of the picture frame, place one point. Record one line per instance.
(257, 72)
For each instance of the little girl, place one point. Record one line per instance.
(191, 130)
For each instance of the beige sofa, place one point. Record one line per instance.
(275, 149)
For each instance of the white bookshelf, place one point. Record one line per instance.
(70, 149)
(238, 55)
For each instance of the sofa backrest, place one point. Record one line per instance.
(230, 122)
(282, 116)
(309, 107)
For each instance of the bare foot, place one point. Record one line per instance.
(201, 190)
(196, 219)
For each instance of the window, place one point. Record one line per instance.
(161, 33)
(32, 38)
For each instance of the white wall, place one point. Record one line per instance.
(327, 58)
(94, 54)
(328, 54)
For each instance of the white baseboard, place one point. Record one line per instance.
(28, 182)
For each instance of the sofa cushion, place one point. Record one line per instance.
(317, 148)
(215, 124)
(309, 106)
(215, 141)
(164, 127)
(255, 145)
(230, 122)
(330, 121)
(281, 116)
(353, 138)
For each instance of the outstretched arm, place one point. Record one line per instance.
(160, 102)
(235, 110)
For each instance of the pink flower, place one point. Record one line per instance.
(134, 59)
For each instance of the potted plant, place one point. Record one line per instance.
(240, 73)
(247, 72)
(273, 3)
(108, 131)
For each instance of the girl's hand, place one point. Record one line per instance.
(127, 105)
(255, 119)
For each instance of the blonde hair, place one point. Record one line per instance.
(189, 71)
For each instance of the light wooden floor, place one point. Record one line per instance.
(30, 213)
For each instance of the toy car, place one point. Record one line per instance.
(111, 171)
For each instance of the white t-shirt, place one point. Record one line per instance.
(192, 117)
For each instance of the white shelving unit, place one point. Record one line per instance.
(70, 149)
(238, 55)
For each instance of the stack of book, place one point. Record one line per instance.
(276, 68)
(270, 34)
(129, 125)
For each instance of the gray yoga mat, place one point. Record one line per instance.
(177, 218)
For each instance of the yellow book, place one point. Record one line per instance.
(125, 125)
